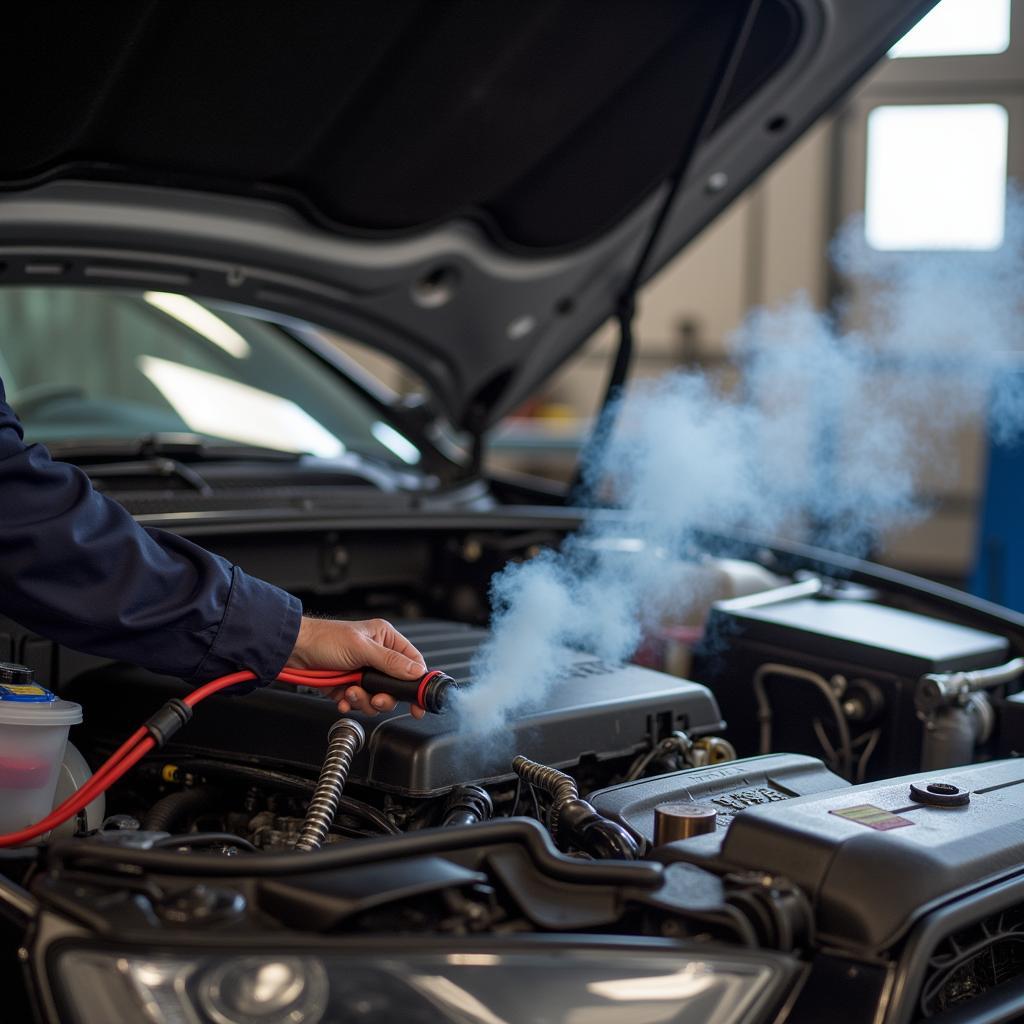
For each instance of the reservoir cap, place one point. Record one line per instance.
(17, 684)
(24, 702)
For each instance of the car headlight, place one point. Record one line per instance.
(559, 984)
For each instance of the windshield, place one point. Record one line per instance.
(82, 364)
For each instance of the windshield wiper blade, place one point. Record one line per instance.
(184, 447)
(159, 467)
(164, 455)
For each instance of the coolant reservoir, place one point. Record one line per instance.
(34, 726)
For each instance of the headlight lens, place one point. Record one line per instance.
(253, 990)
(558, 985)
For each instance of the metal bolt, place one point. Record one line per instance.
(716, 182)
(853, 708)
(521, 326)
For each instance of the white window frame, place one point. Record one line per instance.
(975, 78)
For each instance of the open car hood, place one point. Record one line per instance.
(465, 185)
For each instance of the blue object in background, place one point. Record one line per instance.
(999, 557)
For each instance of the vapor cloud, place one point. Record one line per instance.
(828, 428)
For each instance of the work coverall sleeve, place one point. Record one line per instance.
(76, 568)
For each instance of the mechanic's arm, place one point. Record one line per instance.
(75, 567)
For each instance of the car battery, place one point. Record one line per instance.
(774, 658)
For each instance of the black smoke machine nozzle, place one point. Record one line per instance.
(432, 691)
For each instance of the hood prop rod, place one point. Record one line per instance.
(626, 306)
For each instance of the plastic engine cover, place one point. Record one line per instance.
(597, 710)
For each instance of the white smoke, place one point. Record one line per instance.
(829, 429)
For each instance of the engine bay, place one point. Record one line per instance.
(821, 767)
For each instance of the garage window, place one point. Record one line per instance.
(936, 176)
(958, 27)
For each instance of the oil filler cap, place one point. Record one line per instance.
(682, 820)
(939, 794)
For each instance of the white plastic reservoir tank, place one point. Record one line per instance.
(34, 726)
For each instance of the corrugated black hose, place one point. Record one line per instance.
(170, 812)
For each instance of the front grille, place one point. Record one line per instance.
(973, 961)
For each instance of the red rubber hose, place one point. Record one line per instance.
(141, 743)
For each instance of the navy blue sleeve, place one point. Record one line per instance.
(76, 568)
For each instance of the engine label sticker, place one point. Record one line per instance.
(874, 817)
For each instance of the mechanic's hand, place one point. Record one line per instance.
(331, 644)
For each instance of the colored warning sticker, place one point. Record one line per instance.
(874, 817)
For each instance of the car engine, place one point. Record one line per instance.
(598, 721)
(813, 667)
